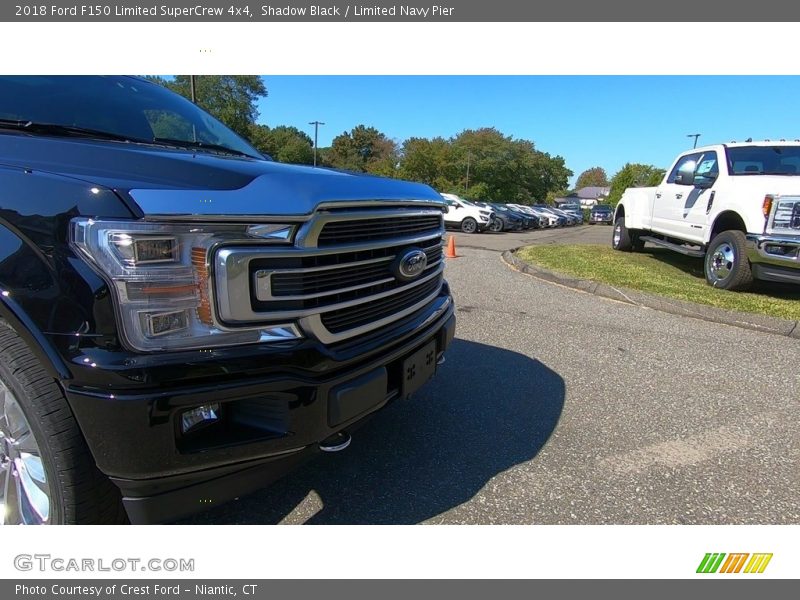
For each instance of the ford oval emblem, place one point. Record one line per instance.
(410, 264)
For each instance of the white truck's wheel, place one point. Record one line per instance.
(620, 238)
(726, 263)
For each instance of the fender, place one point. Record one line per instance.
(12, 314)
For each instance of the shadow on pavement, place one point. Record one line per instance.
(486, 410)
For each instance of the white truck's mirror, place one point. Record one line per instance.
(685, 175)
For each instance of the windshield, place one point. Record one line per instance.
(598, 209)
(126, 107)
(764, 160)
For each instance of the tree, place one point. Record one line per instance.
(429, 161)
(283, 143)
(230, 98)
(633, 175)
(553, 194)
(505, 169)
(364, 149)
(594, 177)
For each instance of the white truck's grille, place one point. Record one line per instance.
(786, 216)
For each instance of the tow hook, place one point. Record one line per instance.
(336, 443)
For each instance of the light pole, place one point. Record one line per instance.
(466, 186)
(695, 136)
(316, 125)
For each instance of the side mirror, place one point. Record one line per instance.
(445, 209)
(685, 175)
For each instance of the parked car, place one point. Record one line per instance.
(504, 219)
(572, 219)
(528, 221)
(183, 321)
(601, 213)
(737, 206)
(573, 209)
(545, 219)
(466, 216)
(561, 220)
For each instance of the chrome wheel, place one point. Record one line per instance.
(722, 261)
(617, 235)
(24, 491)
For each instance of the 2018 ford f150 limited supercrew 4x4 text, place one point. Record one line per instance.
(735, 205)
(182, 321)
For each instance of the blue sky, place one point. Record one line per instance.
(589, 120)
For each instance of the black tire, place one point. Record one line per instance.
(620, 236)
(469, 225)
(497, 225)
(726, 264)
(78, 492)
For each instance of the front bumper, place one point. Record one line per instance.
(774, 258)
(268, 424)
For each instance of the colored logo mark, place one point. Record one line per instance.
(719, 562)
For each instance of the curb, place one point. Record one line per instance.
(683, 308)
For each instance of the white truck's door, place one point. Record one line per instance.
(670, 200)
(693, 217)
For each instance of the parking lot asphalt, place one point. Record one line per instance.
(559, 407)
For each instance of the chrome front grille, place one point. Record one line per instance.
(346, 232)
(786, 215)
(349, 273)
(340, 278)
(349, 318)
(352, 277)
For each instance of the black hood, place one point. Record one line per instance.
(166, 181)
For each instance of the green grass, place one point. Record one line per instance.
(664, 273)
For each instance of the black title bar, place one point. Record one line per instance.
(388, 11)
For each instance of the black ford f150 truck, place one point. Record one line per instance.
(181, 320)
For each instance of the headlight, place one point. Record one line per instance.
(160, 276)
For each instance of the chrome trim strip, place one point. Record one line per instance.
(234, 298)
(266, 296)
(263, 282)
(261, 251)
(357, 263)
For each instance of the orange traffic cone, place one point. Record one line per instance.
(451, 248)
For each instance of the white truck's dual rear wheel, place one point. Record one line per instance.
(625, 239)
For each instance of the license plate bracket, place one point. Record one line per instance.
(419, 368)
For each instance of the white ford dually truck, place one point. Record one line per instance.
(735, 205)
